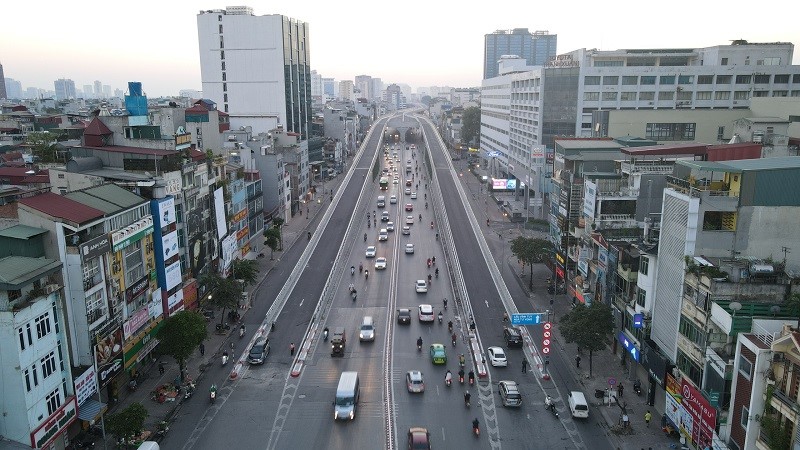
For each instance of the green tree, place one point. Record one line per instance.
(589, 327)
(224, 293)
(127, 423)
(245, 269)
(792, 306)
(181, 334)
(471, 125)
(531, 251)
(271, 240)
(277, 223)
(43, 145)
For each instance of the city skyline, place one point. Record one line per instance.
(421, 45)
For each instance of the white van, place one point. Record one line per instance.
(578, 405)
(381, 201)
(347, 393)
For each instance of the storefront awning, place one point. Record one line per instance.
(90, 409)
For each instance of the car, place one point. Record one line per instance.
(370, 251)
(409, 207)
(409, 220)
(497, 357)
(438, 354)
(395, 181)
(390, 226)
(513, 336)
(409, 248)
(404, 316)
(380, 263)
(415, 382)
(421, 286)
(393, 199)
(425, 313)
(385, 216)
(408, 191)
(406, 230)
(259, 351)
(509, 393)
(383, 235)
(413, 195)
(409, 182)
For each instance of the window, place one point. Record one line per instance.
(31, 378)
(648, 80)
(222, 55)
(780, 93)
(628, 96)
(647, 95)
(223, 65)
(722, 95)
(644, 265)
(43, 325)
(724, 62)
(685, 79)
(795, 94)
(95, 307)
(667, 79)
(670, 131)
(53, 400)
(134, 264)
(48, 364)
(224, 87)
(591, 96)
(741, 95)
(630, 80)
(609, 96)
(781, 79)
(221, 42)
(220, 28)
(608, 63)
(684, 95)
(225, 98)
(705, 79)
(745, 367)
(796, 78)
(720, 133)
(702, 95)
(745, 416)
(743, 79)
(641, 296)
(610, 81)
(669, 95)
(762, 79)
(591, 81)
(723, 79)
(774, 61)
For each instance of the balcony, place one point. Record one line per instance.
(689, 349)
(615, 221)
(701, 188)
(783, 404)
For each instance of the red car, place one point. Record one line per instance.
(408, 183)
(409, 207)
(419, 438)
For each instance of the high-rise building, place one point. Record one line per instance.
(363, 83)
(65, 89)
(329, 87)
(535, 48)
(256, 68)
(3, 93)
(346, 90)
(98, 89)
(13, 89)
(316, 84)
(106, 91)
(88, 91)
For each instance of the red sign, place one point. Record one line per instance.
(703, 414)
(53, 426)
(546, 335)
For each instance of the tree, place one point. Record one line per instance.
(181, 334)
(589, 327)
(43, 145)
(245, 269)
(127, 423)
(530, 251)
(277, 223)
(471, 125)
(271, 239)
(224, 293)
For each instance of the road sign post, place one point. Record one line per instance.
(526, 318)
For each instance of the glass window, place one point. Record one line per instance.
(628, 96)
(724, 61)
(134, 264)
(667, 79)
(685, 79)
(796, 78)
(741, 95)
(780, 93)
(609, 96)
(53, 400)
(723, 79)
(705, 79)
(760, 93)
(644, 264)
(668, 95)
(745, 417)
(647, 95)
(795, 94)
(641, 296)
(610, 81)
(722, 95)
(745, 367)
(762, 79)
(648, 80)
(670, 131)
(703, 95)
(43, 325)
(48, 364)
(684, 95)
(591, 81)
(742, 79)
(591, 96)
(782, 79)
(630, 80)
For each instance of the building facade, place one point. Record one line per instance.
(535, 48)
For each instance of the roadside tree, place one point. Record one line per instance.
(589, 327)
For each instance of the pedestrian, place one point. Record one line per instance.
(291, 348)
(202, 349)
(161, 368)
(647, 417)
(620, 389)
(578, 361)
(625, 420)
(524, 366)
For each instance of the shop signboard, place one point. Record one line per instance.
(165, 211)
(85, 385)
(44, 435)
(132, 233)
(136, 289)
(144, 343)
(172, 275)
(95, 247)
(106, 353)
(170, 245)
(704, 416)
(135, 321)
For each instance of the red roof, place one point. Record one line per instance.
(97, 128)
(133, 150)
(683, 148)
(197, 155)
(197, 109)
(62, 207)
(13, 171)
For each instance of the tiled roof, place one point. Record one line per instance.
(18, 271)
(133, 150)
(108, 198)
(61, 207)
(97, 128)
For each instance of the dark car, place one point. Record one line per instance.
(259, 351)
(512, 336)
(404, 316)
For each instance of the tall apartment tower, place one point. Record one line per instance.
(65, 89)
(3, 93)
(535, 48)
(256, 68)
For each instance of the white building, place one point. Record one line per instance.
(256, 68)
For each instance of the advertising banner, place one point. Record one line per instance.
(175, 299)
(170, 245)
(589, 198)
(95, 247)
(228, 249)
(156, 307)
(137, 320)
(85, 385)
(165, 211)
(108, 347)
(219, 213)
(172, 274)
(47, 432)
(132, 233)
(704, 416)
(504, 184)
(136, 289)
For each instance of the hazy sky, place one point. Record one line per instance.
(420, 43)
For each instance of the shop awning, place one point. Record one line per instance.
(90, 409)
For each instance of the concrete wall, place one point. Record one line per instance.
(761, 231)
(634, 122)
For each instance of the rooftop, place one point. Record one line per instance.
(21, 232)
(133, 150)
(19, 271)
(109, 198)
(60, 207)
(745, 165)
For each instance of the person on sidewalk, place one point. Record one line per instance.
(578, 361)
(291, 348)
(620, 389)
(647, 417)
(524, 366)
(202, 349)
(161, 368)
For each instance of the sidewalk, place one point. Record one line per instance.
(606, 365)
(150, 378)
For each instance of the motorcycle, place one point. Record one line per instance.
(467, 397)
(353, 295)
(453, 338)
(440, 318)
(352, 271)
(419, 345)
(471, 378)
(444, 301)
(550, 405)
(429, 262)
(461, 376)
(365, 237)
(213, 392)
(431, 225)
(325, 334)
(436, 272)
(242, 331)
(224, 358)
(637, 387)
(476, 429)
(448, 379)
(190, 386)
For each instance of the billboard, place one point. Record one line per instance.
(170, 245)
(704, 416)
(589, 198)
(219, 212)
(504, 184)
(164, 211)
(229, 246)
(172, 275)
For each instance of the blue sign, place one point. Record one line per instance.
(526, 318)
(638, 320)
(629, 346)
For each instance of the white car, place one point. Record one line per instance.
(421, 286)
(409, 220)
(408, 191)
(497, 357)
(380, 263)
(370, 251)
(409, 248)
(395, 181)
(413, 196)
(389, 226)
(425, 313)
(393, 199)
(406, 230)
(383, 235)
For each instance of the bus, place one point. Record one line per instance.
(384, 183)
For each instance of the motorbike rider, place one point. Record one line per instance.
(461, 360)
(440, 317)
(471, 377)
(454, 338)
(352, 287)
(366, 273)
(467, 397)
(450, 326)
(436, 272)
(448, 377)
(419, 342)
(548, 402)
(461, 375)
(365, 237)
(445, 303)
(475, 424)
(420, 217)
(360, 267)
(352, 270)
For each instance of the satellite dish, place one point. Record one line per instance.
(735, 306)
(774, 309)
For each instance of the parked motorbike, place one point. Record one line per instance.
(637, 387)
(213, 393)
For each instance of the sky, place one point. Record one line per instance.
(419, 43)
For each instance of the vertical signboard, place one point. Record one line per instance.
(704, 416)
(219, 213)
(589, 198)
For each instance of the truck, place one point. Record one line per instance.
(338, 341)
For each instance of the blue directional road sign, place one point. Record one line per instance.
(526, 318)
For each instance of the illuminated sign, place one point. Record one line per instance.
(504, 184)
(638, 321)
(630, 347)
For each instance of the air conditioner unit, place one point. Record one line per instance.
(50, 288)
